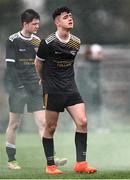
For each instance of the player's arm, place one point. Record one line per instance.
(11, 65)
(39, 67)
(40, 58)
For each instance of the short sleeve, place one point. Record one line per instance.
(43, 50)
(10, 51)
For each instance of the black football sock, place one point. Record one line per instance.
(48, 145)
(81, 146)
(11, 153)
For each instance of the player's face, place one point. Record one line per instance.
(33, 26)
(65, 20)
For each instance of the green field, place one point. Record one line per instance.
(109, 152)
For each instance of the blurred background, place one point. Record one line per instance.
(102, 70)
(104, 83)
(104, 86)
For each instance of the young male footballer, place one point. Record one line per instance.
(23, 80)
(55, 65)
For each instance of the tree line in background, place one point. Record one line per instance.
(101, 21)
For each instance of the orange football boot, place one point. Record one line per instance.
(84, 167)
(53, 170)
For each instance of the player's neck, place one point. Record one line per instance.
(25, 33)
(63, 36)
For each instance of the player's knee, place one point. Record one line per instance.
(13, 126)
(41, 125)
(52, 129)
(82, 124)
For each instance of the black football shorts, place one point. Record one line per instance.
(59, 101)
(30, 96)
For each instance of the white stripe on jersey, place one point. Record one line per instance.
(13, 36)
(10, 60)
(39, 58)
(50, 38)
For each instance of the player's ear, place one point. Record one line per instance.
(24, 24)
(56, 21)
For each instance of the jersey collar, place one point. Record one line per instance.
(25, 38)
(62, 40)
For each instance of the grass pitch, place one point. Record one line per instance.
(109, 153)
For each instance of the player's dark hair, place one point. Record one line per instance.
(60, 10)
(28, 15)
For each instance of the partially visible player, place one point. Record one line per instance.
(55, 65)
(25, 89)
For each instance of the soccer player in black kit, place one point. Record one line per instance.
(23, 81)
(54, 63)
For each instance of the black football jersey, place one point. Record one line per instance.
(58, 57)
(22, 52)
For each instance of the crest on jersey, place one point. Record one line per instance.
(73, 52)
